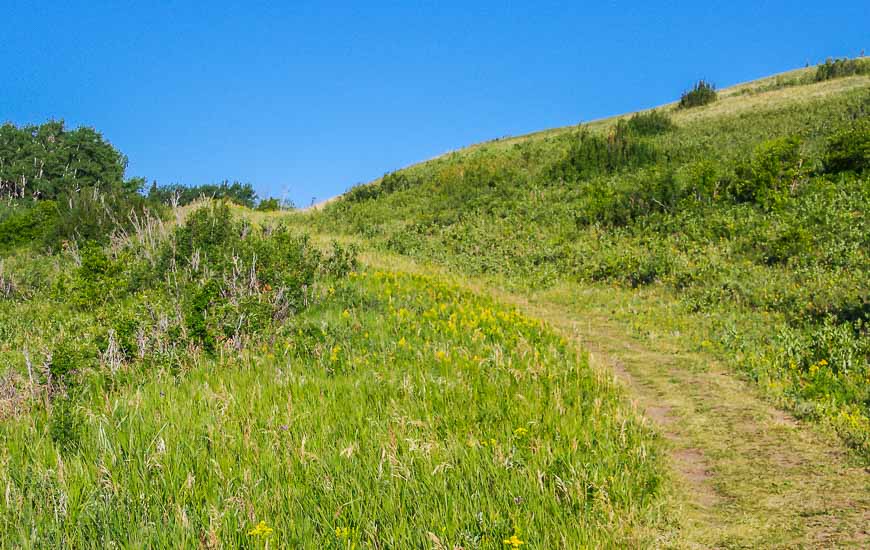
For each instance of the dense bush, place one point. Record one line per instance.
(702, 93)
(390, 183)
(836, 68)
(849, 148)
(775, 170)
(269, 205)
(650, 123)
(590, 154)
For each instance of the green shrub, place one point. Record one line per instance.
(239, 193)
(849, 149)
(29, 223)
(98, 280)
(837, 68)
(269, 205)
(390, 183)
(775, 170)
(90, 214)
(68, 360)
(650, 123)
(702, 93)
(65, 425)
(590, 154)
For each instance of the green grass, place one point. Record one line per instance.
(392, 411)
(732, 214)
(219, 377)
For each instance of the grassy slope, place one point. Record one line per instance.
(392, 411)
(747, 475)
(753, 475)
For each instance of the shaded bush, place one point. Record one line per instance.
(702, 93)
(774, 171)
(31, 222)
(849, 149)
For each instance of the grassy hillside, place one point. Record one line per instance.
(216, 381)
(749, 213)
(377, 373)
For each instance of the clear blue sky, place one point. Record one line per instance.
(308, 99)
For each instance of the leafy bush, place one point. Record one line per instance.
(590, 154)
(30, 222)
(837, 68)
(702, 93)
(650, 123)
(65, 425)
(390, 183)
(849, 149)
(269, 205)
(775, 170)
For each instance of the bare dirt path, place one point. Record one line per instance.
(748, 475)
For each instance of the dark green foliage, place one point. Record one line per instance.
(29, 222)
(390, 183)
(775, 170)
(341, 260)
(48, 160)
(837, 68)
(242, 194)
(210, 231)
(98, 280)
(650, 123)
(590, 154)
(849, 149)
(92, 215)
(68, 360)
(195, 313)
(65, 425)
(702, 93)
(269, 205)
(237, 281)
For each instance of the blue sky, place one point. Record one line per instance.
(306, 99)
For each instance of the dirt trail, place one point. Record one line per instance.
(752, 476)
(748, 474)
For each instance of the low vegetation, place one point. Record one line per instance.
(187, 367)
(761, 216)
(701, 93)
(245, 387)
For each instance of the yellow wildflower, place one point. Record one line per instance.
(441, 355)
(345, 314)
(514, 541)
(333, 355)
(261, 530)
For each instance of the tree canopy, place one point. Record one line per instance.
(47, 160)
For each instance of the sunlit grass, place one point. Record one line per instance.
(400, 412)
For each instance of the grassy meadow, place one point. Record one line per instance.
(197, 373)
(742, 212)
(173, 391)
